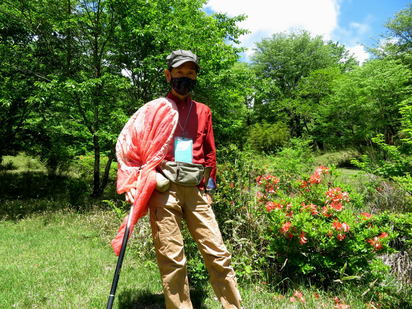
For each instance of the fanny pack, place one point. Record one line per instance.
(183, 173)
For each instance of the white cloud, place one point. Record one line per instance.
(266, 17)
(360, 28)
(359, 52)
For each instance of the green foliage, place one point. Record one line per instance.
(395, 43)
(294, 160)
(364, 102)
(406, 120)
(386, 161)
(268, 138)
(295, 71)
(314, 235)
(73, 76)
(335, 243)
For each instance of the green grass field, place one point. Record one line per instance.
(54, 255)
(63, 259)
(59, 260)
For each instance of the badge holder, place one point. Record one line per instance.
(183, 149)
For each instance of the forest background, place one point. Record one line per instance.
(73, 71)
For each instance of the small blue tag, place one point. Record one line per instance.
(183, 149)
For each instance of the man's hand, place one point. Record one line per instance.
(209, 198)
(130, 195)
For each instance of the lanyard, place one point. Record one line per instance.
(187, 117)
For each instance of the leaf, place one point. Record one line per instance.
(350, 278)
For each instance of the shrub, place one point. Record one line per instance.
(269, 138)
(314, 233)
(294, 160)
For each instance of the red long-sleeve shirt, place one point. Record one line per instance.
(199, 129)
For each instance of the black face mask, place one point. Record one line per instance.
(182, 85)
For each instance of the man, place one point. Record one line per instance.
(190, 202)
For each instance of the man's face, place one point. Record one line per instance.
(187, 69)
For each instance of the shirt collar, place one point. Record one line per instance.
(179, 101)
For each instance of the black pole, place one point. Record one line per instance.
(119, 262)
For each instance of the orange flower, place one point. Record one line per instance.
(336, 206)
(341, 237)
(366, 215)
(375, 243)
(337, 225)
(326, 211)
(345, 227)
(303, 239)
(316, 177)
(299, 295)
(383, 235)
(285, 228)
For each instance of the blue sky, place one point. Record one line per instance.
(349, 22)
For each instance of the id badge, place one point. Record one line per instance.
(184, 149)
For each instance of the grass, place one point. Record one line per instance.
(63, 259)
(23, 163)
(56, 255)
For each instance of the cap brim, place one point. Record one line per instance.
(180, 62)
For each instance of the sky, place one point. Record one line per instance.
(349, 22)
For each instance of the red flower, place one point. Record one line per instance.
(366, 215)
(270, 189)
(329, 234)
(316, 177)
(304, 184)
(345, 227)
(336, 206)
(341, 227)
(335, 195)
(303, 239)
(326, 211)
(383, 235)
(270, 206)
(285, 228)
(375, 243)
(299, 295)
(341, 237)
(337, 225)
(290, 236)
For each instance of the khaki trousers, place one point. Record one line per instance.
(166, 211)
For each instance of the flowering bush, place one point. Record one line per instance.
(312, 230)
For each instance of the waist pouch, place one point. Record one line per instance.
(183, 173)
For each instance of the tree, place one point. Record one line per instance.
(17, 53)
(282, 62)
(100, 60)
(313, 93)
(366, 102)
(397, 41)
